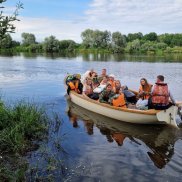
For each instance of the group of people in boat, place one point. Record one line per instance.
(107, 89)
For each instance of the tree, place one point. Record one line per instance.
(150, 37)
(6, 22)
(96, 38)
(67, 45)
(118, 42)
(28, 39)
(51, 44)
(87, 38)
(6, 42)
(133, 36)
(133, 46)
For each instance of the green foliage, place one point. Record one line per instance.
(19, 125)
(51, 44)
(118, 42)
(69, 45)
(133, 36)
(6, 42)
(133, 46)
(96, 38)
(6, 22)
(28, 39)
(96, 41)
(150, 37)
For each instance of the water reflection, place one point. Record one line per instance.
(102, 57)
(159, 140)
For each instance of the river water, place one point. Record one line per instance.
(87, 146)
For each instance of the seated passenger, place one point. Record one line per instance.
(104, 81)
(143, 94)
(103, 74)
(161, 95)
(87, 74)
(118, 99)
(106, 94)
(88, 89)
(129, 95)
(75, 85)
(111, 80)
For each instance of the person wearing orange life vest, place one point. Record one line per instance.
(118, 99)
(75, 85)
(143, 94)
(111, 80)
(145, 89)
(161, 95)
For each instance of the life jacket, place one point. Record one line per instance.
(74, 86)
(112, 83)
(119, 138)
(160, 94)
(120, 101)
(147, 89)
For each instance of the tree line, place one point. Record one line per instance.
(115, 42)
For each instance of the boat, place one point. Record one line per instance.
(129, 115)
(159, 140)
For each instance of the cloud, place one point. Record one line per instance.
(160, 16)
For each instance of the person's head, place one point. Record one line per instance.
(88, 81)
(103, 71)
(104, 79)
(160, 78)
(143, 81)
(108, 87)
(117, 83)
(94, 74)
(111, 77)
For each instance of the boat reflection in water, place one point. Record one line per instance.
(159, 139)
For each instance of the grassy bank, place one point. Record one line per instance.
(20, 126)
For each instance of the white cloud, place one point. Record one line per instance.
(114, 15)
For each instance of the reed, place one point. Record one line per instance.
(20, 125)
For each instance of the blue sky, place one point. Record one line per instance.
(66, 19)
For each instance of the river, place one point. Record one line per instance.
(87, 146)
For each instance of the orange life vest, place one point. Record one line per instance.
(119, 138)
(74, 86)
(112, 83)
(160, 94)
(120, 101)
(146, 89)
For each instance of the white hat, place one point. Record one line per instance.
(111, 75)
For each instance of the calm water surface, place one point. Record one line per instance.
(87, 146)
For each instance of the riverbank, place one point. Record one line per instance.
(80, 50)
(22, 126)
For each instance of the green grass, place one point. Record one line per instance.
(20, 126)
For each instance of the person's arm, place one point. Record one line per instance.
(101, 98)
(172, 98)
(68, 90)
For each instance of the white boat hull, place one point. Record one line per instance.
(126, 114)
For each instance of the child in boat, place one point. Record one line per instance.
(88, 89)
(143, 94)
(106, 94)
(118, 99)
(102, 85)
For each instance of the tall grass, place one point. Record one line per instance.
(19, 125)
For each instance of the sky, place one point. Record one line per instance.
(66, 19)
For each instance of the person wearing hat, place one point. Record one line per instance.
(111, 80)
(106, 94)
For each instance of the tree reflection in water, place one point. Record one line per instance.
(160, 139)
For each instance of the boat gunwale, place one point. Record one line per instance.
(147, 112)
